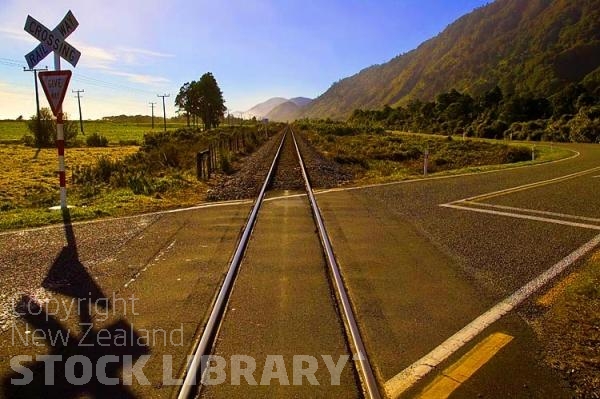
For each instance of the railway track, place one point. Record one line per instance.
(289, 282)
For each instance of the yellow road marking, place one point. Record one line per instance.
(550, 296)
(465, 367)
(405, 379)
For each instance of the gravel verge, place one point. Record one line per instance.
(567, 322)
(246, 182)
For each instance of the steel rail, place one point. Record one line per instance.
(193, 377)
(360, 357)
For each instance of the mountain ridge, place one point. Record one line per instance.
(536, 46)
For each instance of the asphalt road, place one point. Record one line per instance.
(159, 272)
(416, 272)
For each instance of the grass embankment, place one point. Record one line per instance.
(29, 186)
(113, 181)
(380, 157)
(569, 327)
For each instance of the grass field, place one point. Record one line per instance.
(29, 186)
(29, 183)
(394, 156)
(114, 131)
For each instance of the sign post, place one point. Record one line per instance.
(55, 83)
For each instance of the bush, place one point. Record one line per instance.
(96, 140)
(129, 142)
(44, 131)
(225, 159)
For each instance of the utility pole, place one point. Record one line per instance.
(35, 81)
(164, 109)
(152, 105)
(79, 103)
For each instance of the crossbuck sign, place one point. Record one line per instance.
(52, 40)
(55, 82)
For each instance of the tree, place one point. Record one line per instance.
(182, 101)
(212, 105)
(44, 133)
(202, 99)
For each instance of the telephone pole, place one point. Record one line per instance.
(152, 105)
(164, 109)
(79, 103)
(37, 98)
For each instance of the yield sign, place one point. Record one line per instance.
(55, 85)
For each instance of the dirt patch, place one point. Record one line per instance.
(569, 328)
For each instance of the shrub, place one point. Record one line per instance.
(225, 159)
(129, 142)
(96, 140)
(44, 131)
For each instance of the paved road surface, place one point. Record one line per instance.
(417, 272)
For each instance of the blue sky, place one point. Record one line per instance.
(133, 50)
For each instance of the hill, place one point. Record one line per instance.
(261, 110)
(289, 110)
(523, 46)
(301, 101)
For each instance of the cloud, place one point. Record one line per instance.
(145, 52)
(95, 57)
(17, 35)
(140, 78)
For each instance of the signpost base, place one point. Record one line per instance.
(60, 208)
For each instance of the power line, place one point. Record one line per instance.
(11, 62)
(83, 78)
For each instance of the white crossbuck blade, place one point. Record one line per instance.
(52, 41)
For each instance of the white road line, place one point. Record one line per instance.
(413, 373)
(530, 185)
(512, 208)
(522, 216)
(141, 215)
(156, 259)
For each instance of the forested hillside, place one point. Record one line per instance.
(533, 48)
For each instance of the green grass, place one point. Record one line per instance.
(109, 181)
(394, 156)
(114, 131)
(29, 186)
(12, 130)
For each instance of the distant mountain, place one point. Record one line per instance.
(279, 108)
(301, 101)
(289, 110)
(523, 46)
(261, 110)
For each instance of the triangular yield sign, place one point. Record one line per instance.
(55, 85)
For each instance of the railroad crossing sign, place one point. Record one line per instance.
(55, 85)
(52, 41)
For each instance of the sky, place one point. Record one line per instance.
(134, 50)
